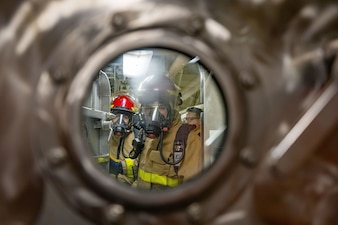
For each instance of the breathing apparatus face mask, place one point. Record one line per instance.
(121, 125)
(155, 118)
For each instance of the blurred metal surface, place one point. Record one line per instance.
(97, 125)
(275, 62)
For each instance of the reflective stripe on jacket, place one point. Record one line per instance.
(157, 179)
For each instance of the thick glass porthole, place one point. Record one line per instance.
(154, 118)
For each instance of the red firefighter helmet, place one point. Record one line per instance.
(123, 103)
(123, 106)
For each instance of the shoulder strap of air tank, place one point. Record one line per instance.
(180, 143)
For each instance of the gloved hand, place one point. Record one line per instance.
(115, 167)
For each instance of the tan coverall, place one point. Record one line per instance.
(127, 176)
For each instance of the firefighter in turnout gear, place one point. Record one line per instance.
(172, 154)
(193, 117)
(123, 107)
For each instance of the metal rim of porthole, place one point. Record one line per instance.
(92, 180)
(132, 41)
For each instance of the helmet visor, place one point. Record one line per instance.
(155, 112)
(155, 118)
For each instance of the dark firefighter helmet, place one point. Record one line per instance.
(162, 90)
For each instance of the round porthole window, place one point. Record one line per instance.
(154, 109)
(148, 124)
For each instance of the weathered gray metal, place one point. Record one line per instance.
(275, 62)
